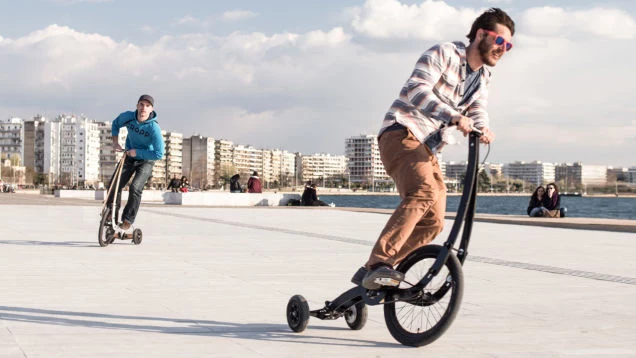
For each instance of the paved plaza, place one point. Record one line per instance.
(214, 282)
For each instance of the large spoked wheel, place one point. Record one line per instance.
(297, 313)
(423, 319)
(106, 234)
(356, 316)
(137, 236)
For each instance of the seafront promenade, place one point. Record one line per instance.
(214, 282)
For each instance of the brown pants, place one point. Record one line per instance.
(418, 179)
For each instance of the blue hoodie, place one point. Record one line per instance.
(144, 137)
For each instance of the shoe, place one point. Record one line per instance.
(359, 276)
(125, 225)
(383, 276)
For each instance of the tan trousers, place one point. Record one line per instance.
(420, 215)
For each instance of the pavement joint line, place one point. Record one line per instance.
(480, 259)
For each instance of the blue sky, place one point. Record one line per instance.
(304, 75)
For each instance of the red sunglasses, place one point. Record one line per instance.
(500, 40)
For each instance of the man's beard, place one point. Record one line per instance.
(484, 52)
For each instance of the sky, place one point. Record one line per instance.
(304, 75)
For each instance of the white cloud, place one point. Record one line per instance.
(72, 2)
(553, 98)
(554, 21)
(430, 20)
(238, 15)
(188, 20)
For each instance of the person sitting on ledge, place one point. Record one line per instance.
(310, 197)
(552, 202)
(535, 206)
(235, 186)
(254, 184)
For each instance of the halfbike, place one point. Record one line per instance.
(423, 306)
(109, 230)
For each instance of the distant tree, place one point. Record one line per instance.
(484, 182)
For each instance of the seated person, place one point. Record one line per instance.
(535, 206)
(254, 184)
(184, 186)
(235, 186)
(310, 197)
(552, 202)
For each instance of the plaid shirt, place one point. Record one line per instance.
(430, 98)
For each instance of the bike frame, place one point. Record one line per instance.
(117, 173)
(463, 222)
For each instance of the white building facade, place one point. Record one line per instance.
(364, 163)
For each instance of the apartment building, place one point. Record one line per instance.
(198, 161)
(573, 175)
(283, 168)
(79, 151)
(455, 172)
(247, 159)
(223, 154)
(323, 169)
(534, 173)
(11, 139)
(364, 164)
(173, 158)
(108, 158)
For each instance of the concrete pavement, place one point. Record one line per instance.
(214, 282)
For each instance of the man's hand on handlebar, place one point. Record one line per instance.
(487, 136)
(117, 147)
(464, 124)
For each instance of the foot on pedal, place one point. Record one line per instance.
(383, 276)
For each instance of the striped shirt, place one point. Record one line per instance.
(430, 98)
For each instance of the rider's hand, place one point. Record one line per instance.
(464, 124)
(487, 137)
(117, 147)
(131, 153)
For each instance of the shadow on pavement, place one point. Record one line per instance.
(252, 331)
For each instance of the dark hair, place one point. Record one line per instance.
(535, 194)
(255, 173)
(556, 188)
(489, 20)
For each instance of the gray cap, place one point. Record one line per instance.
(147, 97)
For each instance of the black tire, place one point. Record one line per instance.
(106, 234)
(137, 235)
(419, 322)
(356, 316)
(297, 313)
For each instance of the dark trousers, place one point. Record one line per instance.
(142, 169)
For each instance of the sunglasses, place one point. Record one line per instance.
(500, 40)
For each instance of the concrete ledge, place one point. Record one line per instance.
(229, 199)
(617, 225)
(199, 198)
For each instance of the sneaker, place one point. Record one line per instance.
(359, 276)
(383, 276)
(125, 225)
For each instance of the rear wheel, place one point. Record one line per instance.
(356, 316)
(106, 234)
(137, 236)
(297, 313)
(423, 319)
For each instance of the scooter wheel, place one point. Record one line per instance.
(297, 313)
(137, 235)
(356, 316)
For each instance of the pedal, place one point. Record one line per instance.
(385, 281)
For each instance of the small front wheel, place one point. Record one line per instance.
(297, 313)
(356, 316)
(137, 235)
